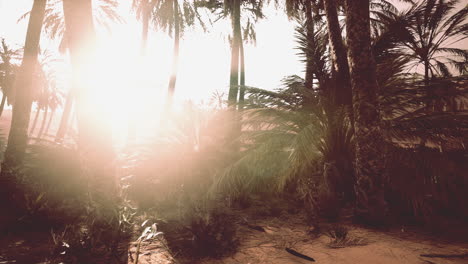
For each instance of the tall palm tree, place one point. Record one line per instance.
(170, 17)
(17, 139)
(54, 26)
(235, 53)
(44, 78)
(380, 10)
(340, 73)
(173, 16)
(306, 13)
(143, 10)
(433, 27)
(369, 166)
(106, 14)
(94, 132)
(251, 10)
(7, 72)
(18, 136)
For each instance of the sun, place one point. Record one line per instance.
(123, 88)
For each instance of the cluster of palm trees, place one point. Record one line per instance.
(353, 72)
(361, 99)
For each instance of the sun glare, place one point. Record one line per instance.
(122, 86)
(133, 88)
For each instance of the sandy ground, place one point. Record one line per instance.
(381, 247)
(289, 231)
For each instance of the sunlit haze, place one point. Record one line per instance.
(203, 62)
(120, 73)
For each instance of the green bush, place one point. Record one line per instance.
(214, 234)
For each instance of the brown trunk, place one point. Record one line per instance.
(131, 132)
(33, 127)
(94, 132)
(18, 136)
(242, 76)
(2, 104)
(11, 195)
(236, 38)
(51, 118)
(145, 28)
(341, 93)
(44, 122)
(433, 103)
(369, 170)
(62, 130)
(309, 73)
(175, 58)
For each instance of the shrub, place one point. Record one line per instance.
(214, 234)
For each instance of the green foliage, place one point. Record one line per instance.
(214, 233)
(182, 159)
(8, 69)
(54, 22)
(251, 12)
(283, 140)
(433, 26)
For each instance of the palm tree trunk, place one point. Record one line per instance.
(94, 132)
(429, 94)
(310, 28)
(11, 196)
(234, 77)
(2, 104)
(62, 130)
(370, 162)
(145, 28)
(340, 71)
(36, 117)
(175, 58)
(242, 75)
(51, 118)
(43, 123)
(131, 132)
(18, 136)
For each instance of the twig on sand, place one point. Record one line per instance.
(297, 254)
(464, 255)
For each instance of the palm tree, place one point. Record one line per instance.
(234, 9)
(50, 98)
(54, 26)
(369, 166)
(433, 27)
(7, 73)
(340, 73)
(305, 33)
(94, 132)
(45, 80)
(170, 18)
(55, 101)
(17, 139)
(173, 16)
(18, 136)
(143, 10)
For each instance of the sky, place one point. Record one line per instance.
(204, 57)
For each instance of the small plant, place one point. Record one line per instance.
(339, 238)
(150, 232)
(338, 233)
(214, 234)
